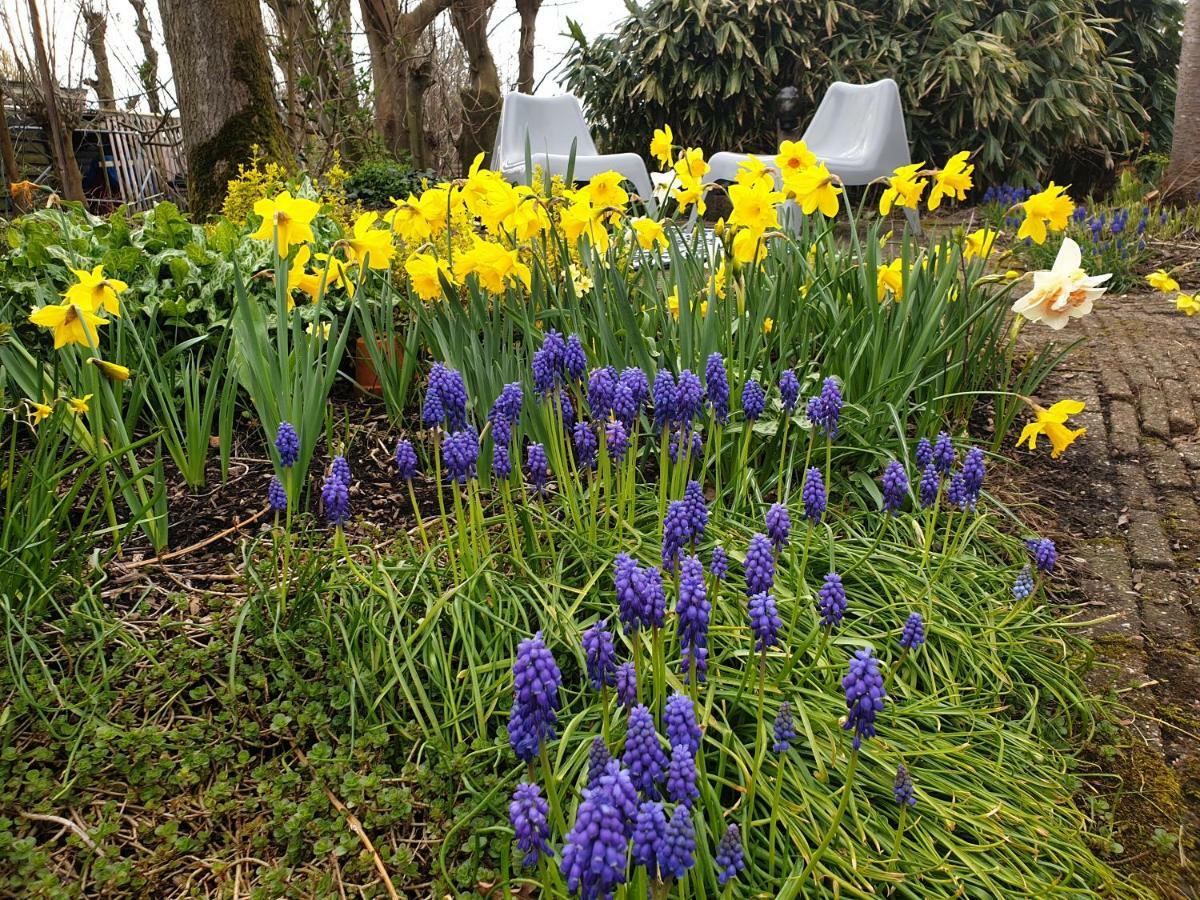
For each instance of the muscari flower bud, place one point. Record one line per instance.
(287, 444)
(865, 695)
(730, 858)
(913, 635)
(759, 565)
(530, 816)
(831, 599)
(406, 460)
(784, 730)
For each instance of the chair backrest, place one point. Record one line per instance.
(861, 120)
(552, 124)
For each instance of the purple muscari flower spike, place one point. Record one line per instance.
(681, 777)
(679, 719)
(530, 816)
(593, 859)
(616, 439)
(865, 694)
(534, 714)
(341, 469)
(652, 595)
(432, 411)
(599, 757)
(276, 495)
(697, 508)
(924, 454)
(1045, 554)
(813, 494)
(626, 684)
(567, 408)
(831, 599)
(615, 782)
(693, 611)
(764, 621)
(789, 390)
(931, 480)
(895, 487)
(460, 453)
(586, 445)
(956, 493)
(632, 390)
(730, 857)
(689, 398)
(335, 497)
(600, 654)
(759, 565)
(665, 398)
(779, 525)
(643, 756)
(829, 411)
(754, 400)
(629, 601)
(943, 453)
(679, 844)
(406, 460)
(902, 787)
(913, 635)
(575, 359)
(501, 462)
(452, 392)
(973, 473)
(719, 563)
(677, 532)
(1023, 586)
(696, 449)
(602, 388)
(538, 468)
(287, 444)
(717, 387)
(506, 412)
(648, 833)
(785, 729)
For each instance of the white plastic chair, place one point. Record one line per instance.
(858, 132)
(551, 125)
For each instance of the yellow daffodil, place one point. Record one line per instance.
(110, 369)
(605, 190)
(979, 243)
(768, 325)
(22, 193)
(95, 292)
(425, 273)
(1012, 275)
(322, 331)
(703, 308)
(748, 247)
(299, 278)
(1050, 208)
(38, 411)
(79, 405)
(494, 265)
(691, 164)
(661, 144)
(580, 280)
(649, 233)
(688, 191)
(1052, 423)
(407, 220)
(438, 205)
(581, 219)
(673, 302)
(753, 172)
(904, 189)
(1188, 304)
(371, 246)
(889, 279)
(794, 157)
(529, 219)
(755, 207)
(336, 274)
(952, 180)
(71, 324)
(716, 281)
(287, 219)
(1162, 282)
(1064, 292)
(813, 189)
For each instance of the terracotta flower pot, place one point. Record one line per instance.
(364, 367)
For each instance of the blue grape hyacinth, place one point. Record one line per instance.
(602, 388)
(653, 596)
(754, 400)
(1023, 586)
(931, 482)
(716, 382)
(536, 682)
(831, 600)
(460, 455)
(665, 396)
(789, 390)
(599, 756)
(501, 462)
(629, 598)
(689, 398)
(677, 532)
(895, 487)
(913, 635)
(340, 469)
(679, 719)
(335, 498)
(759, 565)
(600, 655)
(626, 679)
(649, 833)
(575, 359)
(615, 781)
(529, 814)
(974, 471)
(287, 444)
(276, 495)
(902, 787)
(693, 611)
(616, 439)
(697, 511)
(586, 445)
(779, 525)
(593, 858)
(730, 859)
(719, 563)
(784, 731)
(825, 409)
(406, 460)
(764, 621)
(865, 695)
(537, 468)
(924, 453)
(643, 756)
(681, 776)
(506, 412)
(943, 453)
(548, 363)
(679, 844)
(813, 494)
(1045, 554)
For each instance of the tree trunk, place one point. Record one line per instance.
(392, 37)
(148, 70)
(7, 156)
(528, 10)
(60, 139)
(95, 23)
(481, 100)
(1183, 172)
(226, 101)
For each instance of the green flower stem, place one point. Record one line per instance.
(796, 883)
(412, 499)
(779, 770)
(900, 831)
(551, 783)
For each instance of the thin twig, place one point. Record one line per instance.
(66, 823)
(175, 554)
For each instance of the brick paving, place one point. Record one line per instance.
(1133, 484)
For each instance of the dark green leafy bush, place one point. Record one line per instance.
(373, 184)
(1020, 83)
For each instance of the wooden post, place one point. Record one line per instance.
(7, 155)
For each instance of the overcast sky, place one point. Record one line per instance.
(60, 18)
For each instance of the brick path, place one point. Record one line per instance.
(1134, 484)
